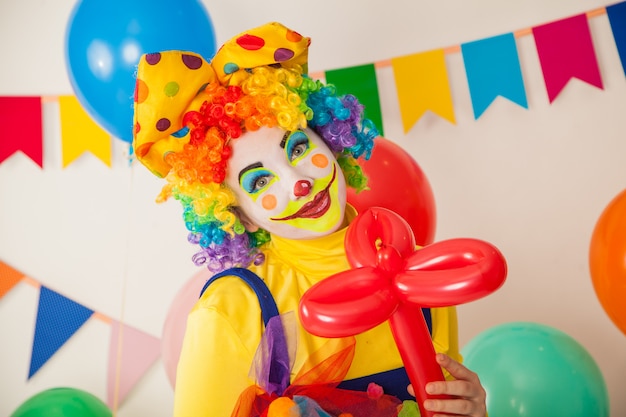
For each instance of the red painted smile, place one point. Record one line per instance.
(315, 208)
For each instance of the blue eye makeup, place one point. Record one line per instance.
(255, 180)
(298, 144)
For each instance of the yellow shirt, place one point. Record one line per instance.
(225, 327)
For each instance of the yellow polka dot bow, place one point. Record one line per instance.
(169, 82)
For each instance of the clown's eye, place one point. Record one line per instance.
(299, 150)
(297, 145)
(255, 181)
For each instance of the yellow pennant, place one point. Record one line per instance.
(422, 84)
(79, 133)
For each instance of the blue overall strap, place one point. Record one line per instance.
(394, 381)
(278, 376)
(268, 305)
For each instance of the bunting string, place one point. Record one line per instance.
(60, 318)
(492, 67)
(453, 49)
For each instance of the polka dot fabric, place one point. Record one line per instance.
(166, 85)
(169, 84)
(270, 44)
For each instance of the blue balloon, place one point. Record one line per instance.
(533, 370)
(106, 38)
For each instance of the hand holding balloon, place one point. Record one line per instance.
(392, 281)
(471, 397)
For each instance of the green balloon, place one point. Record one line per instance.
(63, 402)
(532, 370)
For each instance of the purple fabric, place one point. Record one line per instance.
(272, 366)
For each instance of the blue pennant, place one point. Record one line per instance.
(58, 318)
(493, 69)
(617, 17)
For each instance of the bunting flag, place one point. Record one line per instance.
(617, 19)
(79, 133)
(422, 84)
(58, 318)
(131, 353)
(566, 51)
(21, 121)
(9, 277)
(360, 81)
(493, 69)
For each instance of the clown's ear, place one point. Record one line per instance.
(245, 220)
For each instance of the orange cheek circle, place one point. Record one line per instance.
(268, 202)
(320, 160)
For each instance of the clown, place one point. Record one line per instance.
(260, 156)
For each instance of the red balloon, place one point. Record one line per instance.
(451, 272)
(331, 311)
(397, 183)
(378, 225)
(393, 283)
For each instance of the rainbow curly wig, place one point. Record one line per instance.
(193, 153)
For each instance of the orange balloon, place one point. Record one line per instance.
(607, 260)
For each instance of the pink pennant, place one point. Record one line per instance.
(566, 51)
(131, 353)
(20, 118)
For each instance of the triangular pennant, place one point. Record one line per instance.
(20, 118)
(8, 278)
(422, 84)
(566, 51)
(131, 353)
(493, 69)
(79, 133)
(617, 18)
(361, 82)
(58, 318)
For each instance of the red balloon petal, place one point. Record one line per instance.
(347, 303)
(373, 228)
(451, 272)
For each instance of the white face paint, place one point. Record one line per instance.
(288, 183)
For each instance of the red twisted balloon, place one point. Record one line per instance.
(391, 280)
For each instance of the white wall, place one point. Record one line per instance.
(533, 182)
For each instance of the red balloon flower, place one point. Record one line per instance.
(392, 280)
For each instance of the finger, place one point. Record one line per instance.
(411, 390)
(458, 388)
(456, 369)
(457, 407)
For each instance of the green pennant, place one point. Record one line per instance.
(359, 81)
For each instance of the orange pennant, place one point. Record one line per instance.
(8, 278)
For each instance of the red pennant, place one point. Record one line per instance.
(20, 118)
(566, 51)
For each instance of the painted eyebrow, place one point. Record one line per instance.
(284, 140)
(248, 168)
